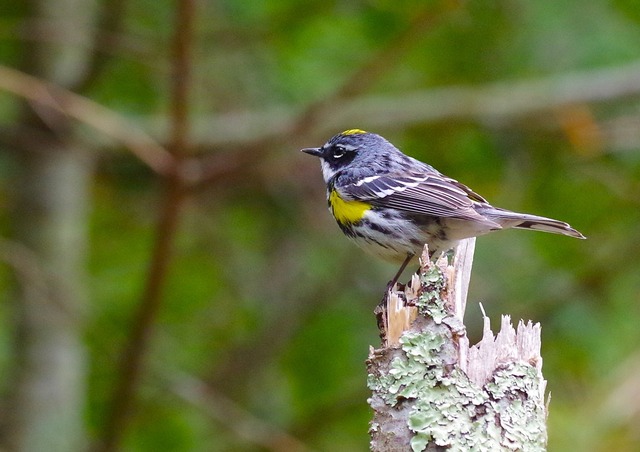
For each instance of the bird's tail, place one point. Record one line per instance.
(508, 219)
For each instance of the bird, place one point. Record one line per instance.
(391, 204)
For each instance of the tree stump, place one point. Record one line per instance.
(431, 391)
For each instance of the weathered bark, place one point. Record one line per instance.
(430, 391)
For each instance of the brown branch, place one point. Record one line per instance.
(101, 118)
(132, 361)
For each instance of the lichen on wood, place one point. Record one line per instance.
(430, 391)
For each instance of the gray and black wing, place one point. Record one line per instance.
(421, 194)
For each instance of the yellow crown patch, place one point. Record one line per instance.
(353, 132)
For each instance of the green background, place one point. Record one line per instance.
(266, 316)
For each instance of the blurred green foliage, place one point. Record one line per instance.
(267, 303)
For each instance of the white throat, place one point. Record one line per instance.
(327, 172)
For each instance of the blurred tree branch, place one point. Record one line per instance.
(78, 107)
(501, 102)
(302, 122)
(133, 354)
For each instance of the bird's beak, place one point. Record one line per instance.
(313, 151)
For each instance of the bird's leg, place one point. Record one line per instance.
(380, 310)
(402, 267)
(393, 282)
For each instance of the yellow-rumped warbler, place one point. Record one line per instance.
(391, 204)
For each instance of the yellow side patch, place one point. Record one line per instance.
(347, 212)
(353, 132)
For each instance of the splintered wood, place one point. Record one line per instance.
(508, 346)
(480, 360)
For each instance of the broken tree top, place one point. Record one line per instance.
(429, 388)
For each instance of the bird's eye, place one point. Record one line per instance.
(338, 152)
